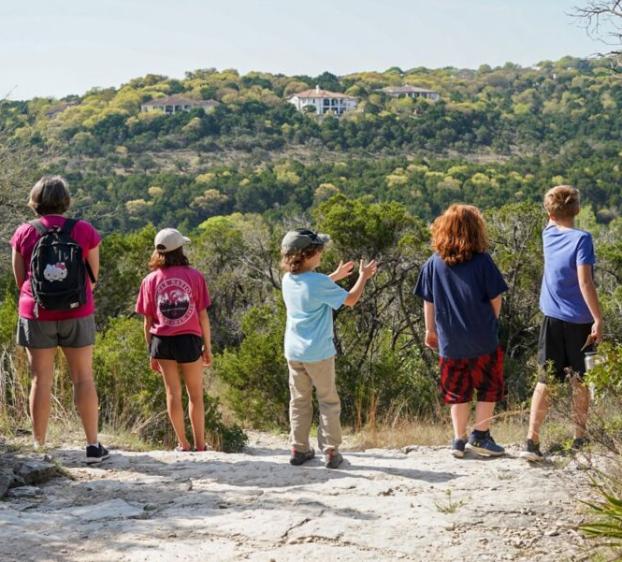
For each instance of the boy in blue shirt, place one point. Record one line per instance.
(461, 288)
(572, 316)
(310, 299)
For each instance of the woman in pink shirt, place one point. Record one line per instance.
(174, 300)
(41, 330)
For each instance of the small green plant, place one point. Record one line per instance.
(229, 438)
(605, 519)
(449, 505)
(607, 512)
(605, 376)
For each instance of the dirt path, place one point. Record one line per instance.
(383, 505)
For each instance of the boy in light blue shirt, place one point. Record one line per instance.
(572, 316)
(310, 299)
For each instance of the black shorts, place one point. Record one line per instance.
(561, 343)
(184, 348)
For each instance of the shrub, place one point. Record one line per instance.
(132, 396)
(256, 371)
(391, 384)
(8, 318)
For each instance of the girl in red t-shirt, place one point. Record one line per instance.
(174, 300)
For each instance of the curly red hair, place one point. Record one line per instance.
(459, 233)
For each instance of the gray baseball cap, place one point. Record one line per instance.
(169, 239)
(301, 239)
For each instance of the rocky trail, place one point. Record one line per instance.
(415, 504)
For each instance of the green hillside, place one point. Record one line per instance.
(496, 135)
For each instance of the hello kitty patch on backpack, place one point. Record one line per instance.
(58, 269)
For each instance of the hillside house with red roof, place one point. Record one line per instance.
(323, 102)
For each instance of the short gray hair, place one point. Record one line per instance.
(50, 196)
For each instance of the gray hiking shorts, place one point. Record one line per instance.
(39, 334)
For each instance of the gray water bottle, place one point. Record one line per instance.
(590, 360)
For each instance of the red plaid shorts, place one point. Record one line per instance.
(459, 377)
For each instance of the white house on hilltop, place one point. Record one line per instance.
(175, 104)
(411, 92)
(323, 101)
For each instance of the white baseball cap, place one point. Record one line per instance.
(169, 239)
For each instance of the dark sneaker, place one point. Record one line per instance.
(96, 454)
(532, 452)
(332, 458)
(299, 457)
(579, 443)
(484, 445)
(457, 447)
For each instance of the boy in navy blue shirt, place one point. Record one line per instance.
(461, 288)
(572, 317)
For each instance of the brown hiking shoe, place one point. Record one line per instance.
(298, 457)
(332, 458)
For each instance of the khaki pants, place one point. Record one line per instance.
(302, 378)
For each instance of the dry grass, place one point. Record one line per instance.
(507, 430)
(508, 427)
(67, 431)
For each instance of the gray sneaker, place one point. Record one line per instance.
(332, 458)
(532, 452)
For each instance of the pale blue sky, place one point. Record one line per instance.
(60, 47)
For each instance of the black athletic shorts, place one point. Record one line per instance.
(184, 348)
(561, 343)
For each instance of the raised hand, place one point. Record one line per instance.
(367, 271)
(342, 271)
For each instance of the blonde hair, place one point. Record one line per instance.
(562, 201)
(459, 233)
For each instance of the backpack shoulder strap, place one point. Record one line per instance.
(68, 226)
(38, 226)
(89, 270)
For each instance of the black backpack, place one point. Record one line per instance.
(58, 269)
